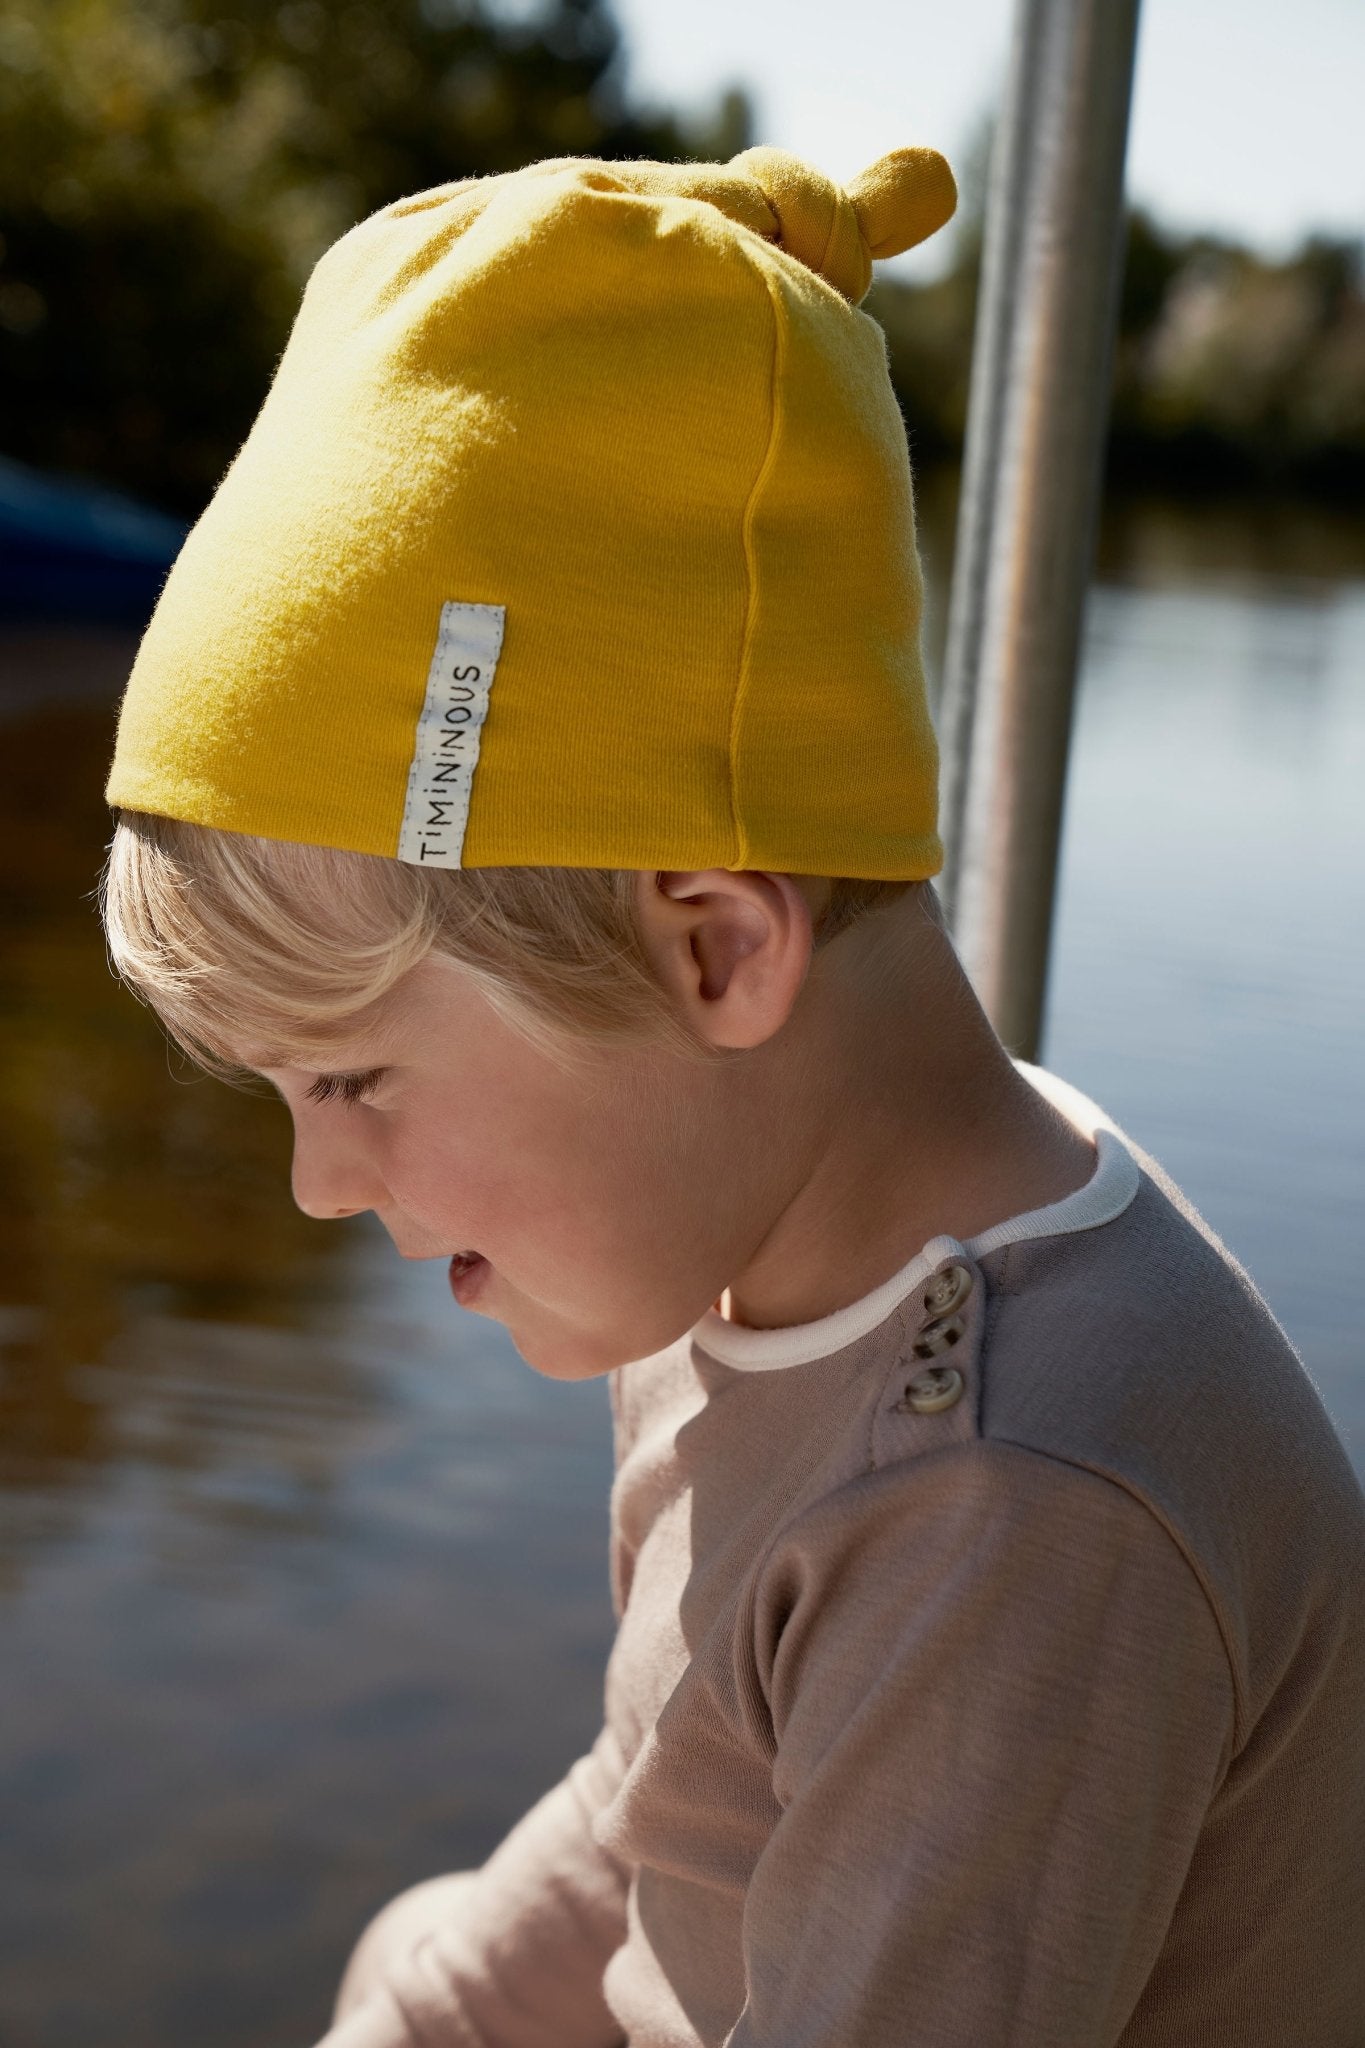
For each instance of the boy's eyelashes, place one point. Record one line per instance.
(344, 1087)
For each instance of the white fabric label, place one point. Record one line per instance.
(447, 749)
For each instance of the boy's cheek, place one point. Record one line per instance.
(438, 1203)
(415, 1241)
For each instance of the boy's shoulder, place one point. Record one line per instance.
(1143, 1348)
(1134, 1350)
(1143, 1352)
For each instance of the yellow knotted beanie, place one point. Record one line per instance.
(575, 529)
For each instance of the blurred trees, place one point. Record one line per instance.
(1231, 371)
(171, 169)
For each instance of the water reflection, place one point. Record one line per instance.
(291, 1553)
(127, 1198)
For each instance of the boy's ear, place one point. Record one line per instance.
(733, 949)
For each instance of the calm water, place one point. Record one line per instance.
(302, 1572)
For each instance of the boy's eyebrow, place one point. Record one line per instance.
(366, 1056)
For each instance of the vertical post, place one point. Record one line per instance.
(1041, 373)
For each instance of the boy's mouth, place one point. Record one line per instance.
(467, 1270)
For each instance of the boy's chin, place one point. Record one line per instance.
(577, 1354)
(565, 1358)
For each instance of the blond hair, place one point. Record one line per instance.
(238, 941)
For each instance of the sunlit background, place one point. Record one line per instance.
(1245, 112)
(303, 1587)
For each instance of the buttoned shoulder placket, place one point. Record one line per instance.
(931, 1395)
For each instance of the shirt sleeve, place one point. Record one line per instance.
(1001, 1704)
(519, 1963)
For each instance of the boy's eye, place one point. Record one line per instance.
(344, 1087)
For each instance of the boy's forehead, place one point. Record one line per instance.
(344, 1046)
(426, 994)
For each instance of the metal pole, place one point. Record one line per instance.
(1041, 371)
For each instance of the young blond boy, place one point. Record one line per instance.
(528, 770)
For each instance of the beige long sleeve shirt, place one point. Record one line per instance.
(1003, 1692)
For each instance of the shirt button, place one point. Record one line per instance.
(932, 1390)
(939, 1334)
(948, 1289)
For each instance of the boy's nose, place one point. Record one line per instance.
(327, 1186)
(321, 1206)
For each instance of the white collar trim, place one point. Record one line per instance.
(1105, 1195)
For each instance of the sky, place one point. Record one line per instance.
(1246, 113)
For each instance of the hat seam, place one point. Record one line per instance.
(751, 564)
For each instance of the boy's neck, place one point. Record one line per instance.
(929, 1129)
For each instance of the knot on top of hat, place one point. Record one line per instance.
(835, 230)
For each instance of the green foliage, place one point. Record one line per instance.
(1230, 370)
(171, 169)
(1243, 371)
